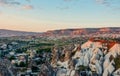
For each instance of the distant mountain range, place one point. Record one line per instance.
(10, 33)
(83, 31)
(62, 32)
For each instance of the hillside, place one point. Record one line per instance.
(83, 31)
(89, 32)
(9, 33)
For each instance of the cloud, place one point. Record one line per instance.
(103, 2)
(110, 3)
(100, 1)
(67, 6)
(9, 2)
(27, 7)
(15, 3)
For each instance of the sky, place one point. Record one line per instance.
(44, 15)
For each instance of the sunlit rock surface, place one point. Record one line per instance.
(93, 58)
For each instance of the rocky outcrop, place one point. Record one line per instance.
(95, 57)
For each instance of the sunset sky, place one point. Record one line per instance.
(43, 15)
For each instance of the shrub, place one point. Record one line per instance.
(117, 62)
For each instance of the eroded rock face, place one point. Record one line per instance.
(90, 59)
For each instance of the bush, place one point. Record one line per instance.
(82, 68)
(117, 62)
(22, 64)
(11, 58)
(35, 69)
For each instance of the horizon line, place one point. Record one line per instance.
(58, 29)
